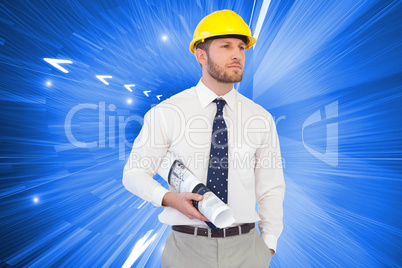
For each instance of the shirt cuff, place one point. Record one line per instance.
(158, 194)
(270, 240)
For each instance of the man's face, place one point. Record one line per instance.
(226, 60)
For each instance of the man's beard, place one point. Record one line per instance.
(220, 75)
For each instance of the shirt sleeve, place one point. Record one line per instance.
(270, 186)
(148, 150)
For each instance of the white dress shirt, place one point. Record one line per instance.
(182, 126)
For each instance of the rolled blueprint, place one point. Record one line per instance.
(182, 180)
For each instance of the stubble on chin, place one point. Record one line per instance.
(221, 75)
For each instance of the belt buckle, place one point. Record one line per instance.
(224, 232)
(209, 233)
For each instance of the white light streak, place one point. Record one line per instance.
(138, 249)
(35, 200)
(261, 18)
(129, 86)
(129, 101)
(103, 77)
(146, 92)
(164, 37)
(143, 203)
(56, 62)
(48, 83)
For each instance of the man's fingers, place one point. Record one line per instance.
(197, 215)
(197, 197)
(200, 216)
(191, 196)
(193, 213)
(203, 218)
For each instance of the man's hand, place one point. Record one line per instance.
(183, 202)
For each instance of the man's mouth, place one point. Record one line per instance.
(235, 66)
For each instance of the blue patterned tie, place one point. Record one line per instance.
(217, 180)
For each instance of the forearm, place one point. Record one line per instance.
(270, 210)
(270, 191)
(270, 194)
(142, 184)
(168, 199)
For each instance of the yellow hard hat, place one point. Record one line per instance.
(222, 22)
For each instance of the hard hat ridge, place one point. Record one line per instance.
(222, 23)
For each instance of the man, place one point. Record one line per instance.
(228, 142)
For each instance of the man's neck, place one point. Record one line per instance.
(218, 88)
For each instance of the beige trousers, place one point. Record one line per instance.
(185, 250)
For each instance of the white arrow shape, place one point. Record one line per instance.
(146, 93)
(103, 77)
(158, 96)
(129, 87)
(56, 62)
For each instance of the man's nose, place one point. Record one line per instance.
(238, 54)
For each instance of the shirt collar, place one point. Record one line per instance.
(206, 96)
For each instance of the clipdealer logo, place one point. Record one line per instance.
(194, 129)
(331, 155)
(112, 128)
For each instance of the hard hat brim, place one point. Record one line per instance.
(251, 40)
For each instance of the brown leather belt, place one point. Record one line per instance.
(238, 230)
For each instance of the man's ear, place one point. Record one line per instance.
(201, 56)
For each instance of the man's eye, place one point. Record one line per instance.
(242, 48)
(225, 46)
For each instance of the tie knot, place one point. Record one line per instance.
(219, 105)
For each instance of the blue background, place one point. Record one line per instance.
(62, 205)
